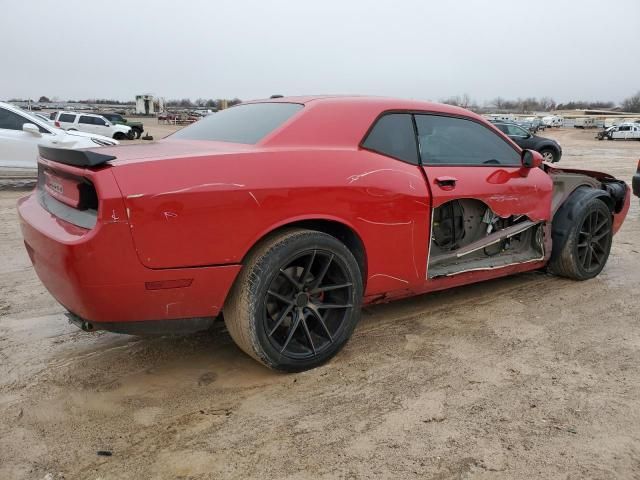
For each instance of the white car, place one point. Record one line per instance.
(92, 123)
(21, 133)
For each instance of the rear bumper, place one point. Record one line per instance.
(97, 275)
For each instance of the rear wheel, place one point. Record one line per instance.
(119, 136)
(296, 301)
(582, 236)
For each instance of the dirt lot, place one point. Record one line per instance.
(530, 376)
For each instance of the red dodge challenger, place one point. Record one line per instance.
(286, 215)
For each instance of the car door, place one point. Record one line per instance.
(102, 126)
(87, 124)
(620, 132)
(18, 149)
(466, 159)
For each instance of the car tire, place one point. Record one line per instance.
(549, 155)
(138, 134)
(119, 136)
(582, 233)
(296, 301)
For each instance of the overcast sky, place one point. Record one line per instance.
(429, 50)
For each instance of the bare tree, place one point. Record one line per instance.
(498, 102)
(632, 104)
(546, 104)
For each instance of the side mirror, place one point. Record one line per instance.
(32, 129)
(530, 159)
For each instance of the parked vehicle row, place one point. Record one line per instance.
(289, 214)
(21, 133)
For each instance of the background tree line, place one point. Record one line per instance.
(544, 104)
(519, 105)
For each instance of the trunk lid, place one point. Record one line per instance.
(168, 148)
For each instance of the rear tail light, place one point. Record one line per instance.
(75, 192)
(57, 124)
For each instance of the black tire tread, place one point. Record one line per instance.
(565, 224)
(239, 308)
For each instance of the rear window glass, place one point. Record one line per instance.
(247, 123)
(67, 117)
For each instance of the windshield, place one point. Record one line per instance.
(248, 123)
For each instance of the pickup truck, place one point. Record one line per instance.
(624, 131)
(136, 127)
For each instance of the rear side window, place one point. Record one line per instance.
(393, 135)
(87, 120)
(247, 123)
(457, 141)
(67, 117)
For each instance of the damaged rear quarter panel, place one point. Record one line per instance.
(211, 210)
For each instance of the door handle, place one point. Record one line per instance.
(446, 183)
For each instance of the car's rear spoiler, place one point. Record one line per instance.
(77, 158)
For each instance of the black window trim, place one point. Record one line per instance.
(501, 135)
(492, 128)
(75, 116)
(375, 122)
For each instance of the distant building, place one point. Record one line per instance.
(149, 105)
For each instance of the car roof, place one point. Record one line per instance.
(80, 113)
(374, 102)
(343, 120)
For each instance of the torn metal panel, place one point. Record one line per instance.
(467, 236)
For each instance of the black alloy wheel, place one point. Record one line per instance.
(307, 304)
(593, 240)
(582, 233)
(296, 301)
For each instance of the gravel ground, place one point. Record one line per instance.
(530, 376)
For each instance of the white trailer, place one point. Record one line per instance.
(585, 122)
(553, 121)
(504, 117)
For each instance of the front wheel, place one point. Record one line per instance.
(582, 235)
(549, 155)
(296, 301)
(119, 136)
